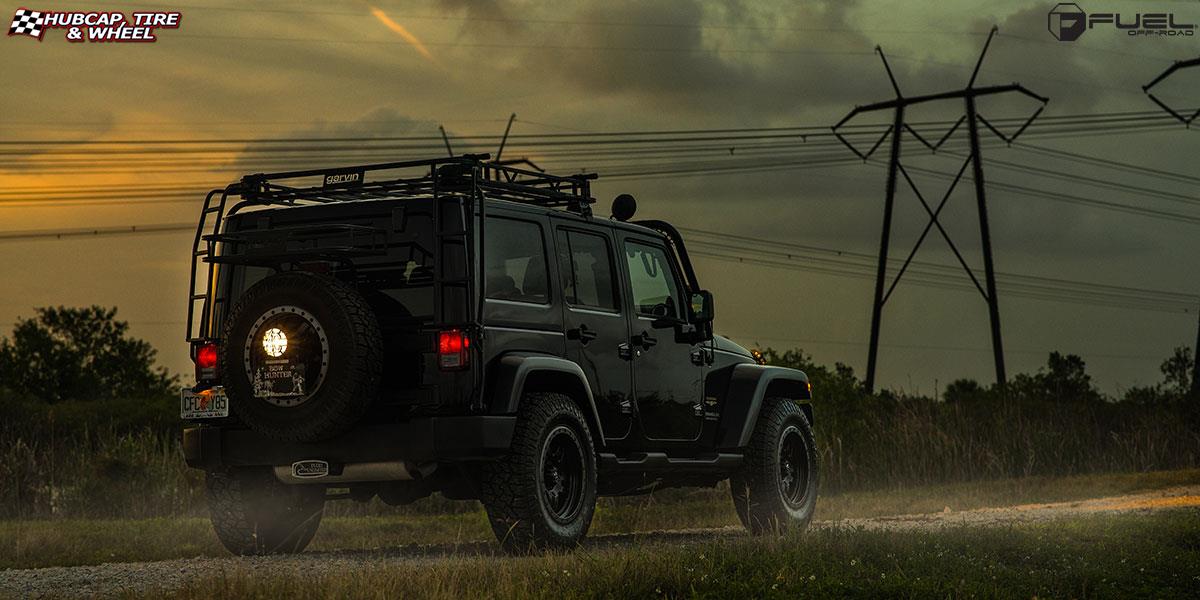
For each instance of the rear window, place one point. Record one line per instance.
(516, 261)
(404, 272)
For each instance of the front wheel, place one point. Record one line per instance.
(776, 489)
(253, 513)
(542, 494)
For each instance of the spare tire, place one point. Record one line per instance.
(302, 357)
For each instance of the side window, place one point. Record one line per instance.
(516, 261)
(589, 283)
(655, 291)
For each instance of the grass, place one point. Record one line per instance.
(71, 459)
(1102, 556)
(66, 542)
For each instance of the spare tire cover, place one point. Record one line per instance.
(301, 357)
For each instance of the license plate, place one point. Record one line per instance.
(209, 404)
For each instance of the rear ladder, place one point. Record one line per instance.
(202, 252)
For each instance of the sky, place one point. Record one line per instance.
(265, 70)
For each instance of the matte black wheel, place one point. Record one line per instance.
(253, 513)
(563, 477)
(542, 494)
(794, 472)
(302, 357)
(776, 489)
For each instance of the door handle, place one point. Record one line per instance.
(699, 357)
(625, 351)
(583, 334)
(644, 340)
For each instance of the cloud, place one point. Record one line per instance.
(1072, 77)
(728, 61)
(381, 122)
(489, 12)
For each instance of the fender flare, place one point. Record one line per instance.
(511, 371)
(749, 385)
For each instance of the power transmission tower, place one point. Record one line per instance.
(1180, 64)
(1187, 122)
(896, 132)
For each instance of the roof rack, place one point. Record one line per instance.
(455, 175)
(470, 176)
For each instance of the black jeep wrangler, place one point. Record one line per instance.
(469, 328)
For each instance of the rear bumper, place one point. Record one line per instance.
(432, 439)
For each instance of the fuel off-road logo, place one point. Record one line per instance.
(94, 26)
(1067, 22)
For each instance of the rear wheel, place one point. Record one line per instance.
(776, 489)
(253, 513)
(542, 494)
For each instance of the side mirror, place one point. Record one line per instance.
(702, 307)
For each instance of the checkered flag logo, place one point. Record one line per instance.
(27, 22)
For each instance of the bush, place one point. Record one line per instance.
(121, 457)
(1053, 422)
(79, 354)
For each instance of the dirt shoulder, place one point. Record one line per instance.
(113, 578)
(1174, 497)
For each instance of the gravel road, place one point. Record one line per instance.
(110, 579)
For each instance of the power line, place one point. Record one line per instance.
(735, 243)
(1077, 46)
(922, 279)
(1103, 162)
(1029, 351)
(557, 22)
(788, 156)
(162, 193)
(1068, 198)
(1087, 180)
(1064, 119)
(85, 232)
(157, 164)
(815, 130)
(791, 250)
(540, 47)
(647, 49)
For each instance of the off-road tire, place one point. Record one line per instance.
(513, 488)
(758, 488)
(254, 514)
(351, 380)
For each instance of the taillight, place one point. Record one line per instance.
(453, 349)
(206, 361)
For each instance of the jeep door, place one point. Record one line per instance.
(667, 368)
(594, 322)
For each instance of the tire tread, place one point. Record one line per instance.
(509, 485)
(754, 488)
(346, 405)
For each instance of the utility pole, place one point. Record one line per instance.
(1187, 122)
(898, 128)
(1196, 362)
